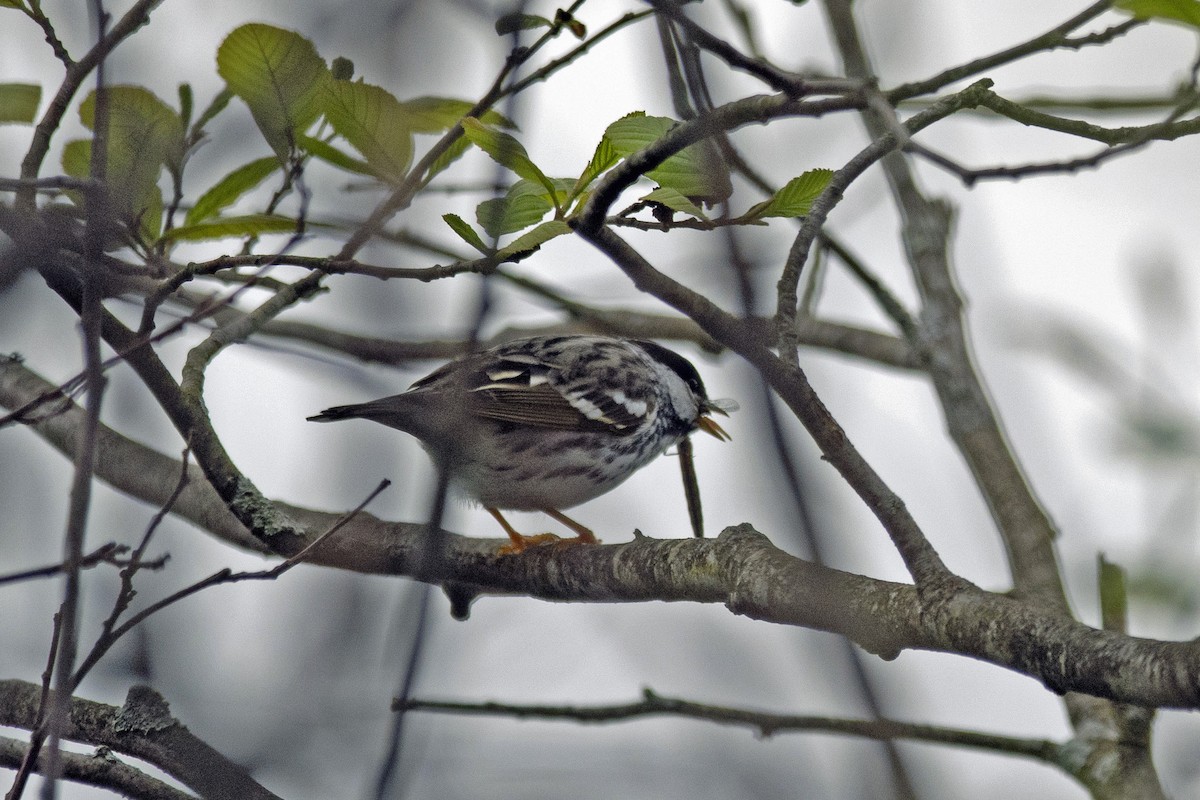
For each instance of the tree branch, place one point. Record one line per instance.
(142, 728)
(765, 724)
(1025, 528)
(740, 569)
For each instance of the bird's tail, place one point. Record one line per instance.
(382, 410)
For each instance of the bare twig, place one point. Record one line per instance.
(1056, 37)
(229, 576)
(765, 723)
(100, 769)
(105, 554)
(885, 143)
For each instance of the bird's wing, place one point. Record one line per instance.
(529, 391)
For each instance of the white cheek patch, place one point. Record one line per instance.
(682, 399)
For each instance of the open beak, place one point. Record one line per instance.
(709, 425)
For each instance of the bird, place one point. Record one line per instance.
(548, 422)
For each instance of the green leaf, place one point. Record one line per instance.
(218, 104)
(795, 199)
(504, 150)
(511, 23)
(466, 232)
(223, 228)
(12, 4)
(695, 172)
(331, 155)
(279, 76)
(374, 122)
(1185, 11)
(675, 201)
(77, 157)
(226, 191)
(452, 153)
(19, 102)
(525, 203)
(531, 241)
(437, 114)
(144, 135)
(604, 158)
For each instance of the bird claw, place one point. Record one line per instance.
(521, 543)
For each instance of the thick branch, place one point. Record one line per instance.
(740, 569)
(142, 728)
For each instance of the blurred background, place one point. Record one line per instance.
(1081, 294)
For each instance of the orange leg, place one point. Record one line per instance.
(585, 536)
(521, 542)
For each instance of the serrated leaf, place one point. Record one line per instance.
(511, 23)
(695, 172)
(504, 150)
(675, 201)
(1185, 11)
(223, 228)
(534, 239)
(279, 75)
(374, 122)
(795, 199)
(437, 114)
(466, 232)
(144, 135)
(19, 102)
(229, 189)
(332, 155)
(524, 205)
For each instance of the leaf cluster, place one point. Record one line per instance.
(306, 108)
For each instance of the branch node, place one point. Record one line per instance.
(145, 711)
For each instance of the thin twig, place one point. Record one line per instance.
(1056, 37)
(229, 576)
(765, 723)
(105, 554)
(787, 290)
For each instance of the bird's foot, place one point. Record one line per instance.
(520, 543)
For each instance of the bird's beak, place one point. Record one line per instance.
(709, 425)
